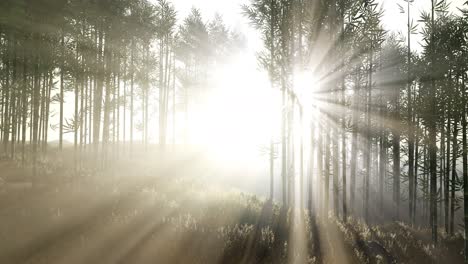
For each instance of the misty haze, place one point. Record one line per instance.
(233, 131)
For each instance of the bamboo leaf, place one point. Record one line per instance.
(402, 10)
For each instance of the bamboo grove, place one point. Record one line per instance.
(387, 124)
(116, 62)
(383, 134)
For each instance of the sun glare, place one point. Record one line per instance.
(306, 85)
(240, 115)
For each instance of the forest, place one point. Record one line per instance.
(139, 131)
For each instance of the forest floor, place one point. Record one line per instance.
(158, 214)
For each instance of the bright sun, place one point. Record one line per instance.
(241, 112)
(306, 84)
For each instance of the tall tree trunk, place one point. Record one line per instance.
(354, 144)
(47, 110)
(433, 138)
(320, 176)
(369, 137)
(77, 114)
(162, 91)
(327, 147)
(98, 90)
(62, 96)
(301, 161)
(396, 162)
(447, 172)
(425, 182)
(382, 153)
(292, 151)
(145, 99)
(416, 167)
(283, 145)
(14, 100)
(124, 121)
(35, 110)
(410, 120)
(454, 175)
(24, 104)
(174, 104)
(344, 165)
(271, 78)
(132, 77)
(311, 167)
(442, 164)
(107, 98)
(336, 172)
